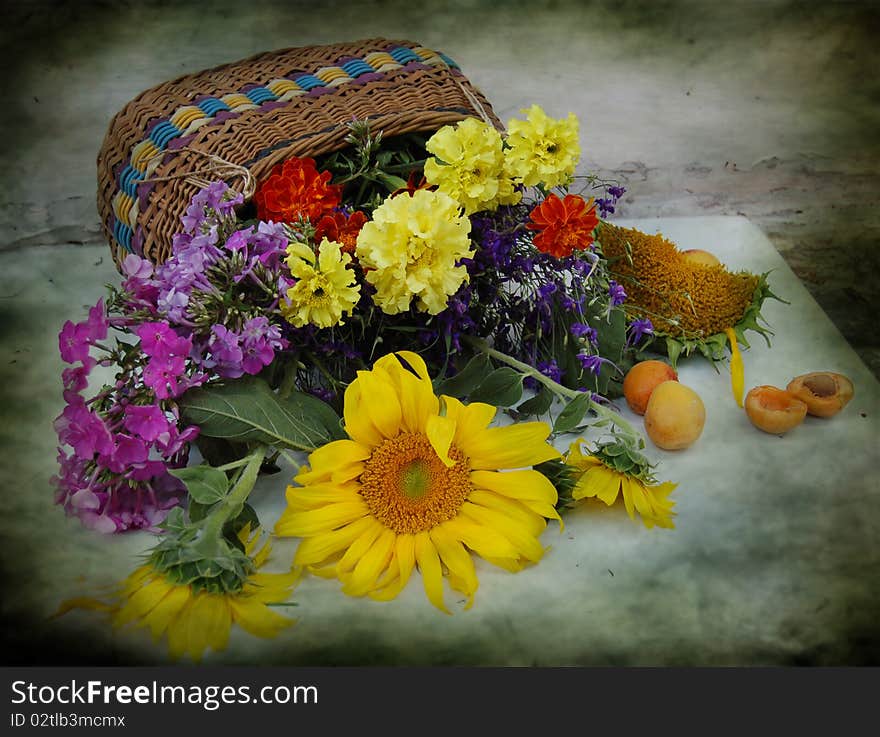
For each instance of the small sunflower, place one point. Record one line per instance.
(418, 484)
(197, 613)
(598, 475)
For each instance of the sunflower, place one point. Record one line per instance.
(597, 476)
(193, 616)
(417, 484)
(692, 306)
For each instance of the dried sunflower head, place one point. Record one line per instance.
(690, 305)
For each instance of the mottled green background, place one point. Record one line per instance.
(763, 109)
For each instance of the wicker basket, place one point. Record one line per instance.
(256, 113)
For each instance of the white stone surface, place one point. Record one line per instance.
(774, 558)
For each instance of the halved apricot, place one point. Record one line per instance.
(774, 410)
(641, 380)
(824, 392)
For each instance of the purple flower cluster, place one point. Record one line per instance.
(124, 439)
(608, 203)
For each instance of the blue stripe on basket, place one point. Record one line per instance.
(259, 95)
(129, 180)
(211, 106)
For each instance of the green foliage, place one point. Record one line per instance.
(501, 388)
(204, 484)
(247, 410)
(572, 416)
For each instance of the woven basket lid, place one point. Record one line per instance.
(257, 112)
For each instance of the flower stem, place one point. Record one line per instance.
(559, 390)
(235, 499)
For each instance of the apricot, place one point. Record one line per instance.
(774, 410)
(675, 416)
(824, 392)
(641, 380)
(699, 256)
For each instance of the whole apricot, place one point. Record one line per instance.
(675, 416)
(641, 380)
(699, 256)
(774, 410)
(824, 392)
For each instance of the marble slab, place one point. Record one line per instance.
(774, 559)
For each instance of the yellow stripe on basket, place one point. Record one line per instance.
(331, 74)
(237, 101)
(184, 116)
(430, 57)
(381, 61)
(142, 153)
(122, 208)
(279, 87)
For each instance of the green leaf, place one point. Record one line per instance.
(502, 388)
(247, 515)
(247, 410)
(466, 380)
(205, 484)
(538, 404)
(573, 414)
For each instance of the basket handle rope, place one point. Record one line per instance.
(216, 167)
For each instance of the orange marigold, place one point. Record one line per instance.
(294, 190)
(563, 225)
(341, 228)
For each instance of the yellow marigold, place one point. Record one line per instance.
(418, 484)
(411, 248)
(543, 150)
(681, 298)
(471, 167)
(325, 288)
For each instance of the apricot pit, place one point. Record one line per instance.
(824, 392)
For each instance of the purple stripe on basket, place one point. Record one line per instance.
(223, 115)
(143, 192)
(177, 143)
(137, 241)
(318, 91)
(371, 77)
(271, 105)
(152, 125)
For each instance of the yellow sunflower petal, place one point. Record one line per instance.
(404, 561)
(440, 431)
(357, 422)
(142, 601)
(520, 485)
(485, 542)
(211, 616)
(432, 573)
(470, 419)
(513, 446)
(526, 544)
(257, 618)
(178, 632)
(380, 402)
(462, 575)
(315, 550)
(336, 455)
(515, 510)
(316, 521)
(359, 547)
(164, 613)
(413, 359)
(315, 496)
(366, 572)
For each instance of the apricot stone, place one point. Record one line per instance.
(824, 392)
(675, 416)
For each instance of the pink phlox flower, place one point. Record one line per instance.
(83, 430)
(129, 452)
(146, 421)
(162, 374)
(73, 343)
(74, 381)
(97, 323)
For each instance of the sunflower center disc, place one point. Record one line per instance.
(408, 488)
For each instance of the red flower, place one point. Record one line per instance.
(564, 225)
(337, 227)
(296, 189)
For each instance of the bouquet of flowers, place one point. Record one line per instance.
(368, 316)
